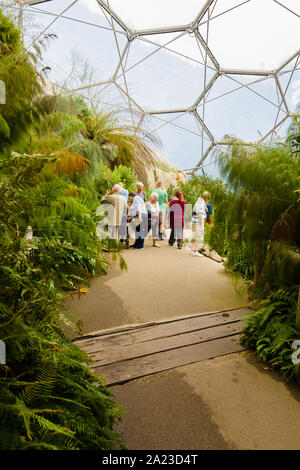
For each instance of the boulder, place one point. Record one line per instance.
(212, 254)
(157, 168)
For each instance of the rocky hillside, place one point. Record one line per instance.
(157, 168)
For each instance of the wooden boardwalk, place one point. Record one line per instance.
(131, 352)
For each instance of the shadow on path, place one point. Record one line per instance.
(102, 308)
(166, 414)
(160, 284)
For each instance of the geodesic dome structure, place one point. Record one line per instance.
(192, 71)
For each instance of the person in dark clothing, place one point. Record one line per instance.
(208, 213)
(139, 214)
(177, 219)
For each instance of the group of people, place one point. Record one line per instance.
(132, 216)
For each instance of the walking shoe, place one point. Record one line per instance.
(195, 253)
(156, 245)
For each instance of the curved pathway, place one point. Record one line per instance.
(230, 402)
(160, 283)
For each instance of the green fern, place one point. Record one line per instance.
(270, 331)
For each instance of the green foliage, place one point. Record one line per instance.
(259, 214)
(125, 175)
(198, 184)
(82, 143)
(22, 86)
(293, 139)
(120, 173)
(171, 191)
(121, 142)
(9, 36)
(256, 226)
(49, 399)
(270, 331)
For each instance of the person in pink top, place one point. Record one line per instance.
(177, 219)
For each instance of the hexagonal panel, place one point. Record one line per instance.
(255, 35)
(246, 107)
(174, 77)
(144, 14)
(181, 138)
(85, 48)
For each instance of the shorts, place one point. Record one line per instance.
(198, 233)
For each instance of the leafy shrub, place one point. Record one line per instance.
(198, 184)
(108, 178)
(49, 399)
(22, 86)
(270, 331)
(258, 213)
(125, 175)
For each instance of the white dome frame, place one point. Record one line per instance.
(191, 28)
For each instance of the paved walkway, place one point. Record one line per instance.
(160, 283)
(229, 402)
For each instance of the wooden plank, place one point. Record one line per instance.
(136, 326)
(113, 354)
(161, 330)
(140, 367)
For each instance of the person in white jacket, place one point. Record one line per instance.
(199, 217)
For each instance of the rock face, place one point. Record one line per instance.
(206, 251)
(156, 169)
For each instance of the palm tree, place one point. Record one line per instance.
(110, 130)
